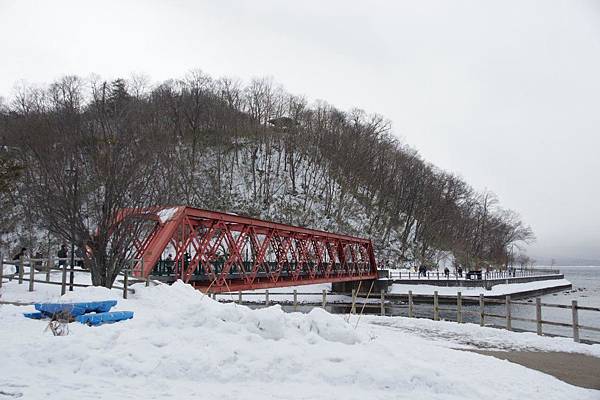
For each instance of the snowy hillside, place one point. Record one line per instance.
(181, 344)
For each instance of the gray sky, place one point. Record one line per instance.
(505, 93)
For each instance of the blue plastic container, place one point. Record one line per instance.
(104, 318)
(75, 309)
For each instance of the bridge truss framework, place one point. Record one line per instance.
(221, 252)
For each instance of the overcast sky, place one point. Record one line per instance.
(504, 93)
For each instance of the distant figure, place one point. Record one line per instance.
(79, 254)
(459, 271)
(63, 254)
(169, 264)
(38, 263)
(17, 256)
(446, 272)
(423, 270)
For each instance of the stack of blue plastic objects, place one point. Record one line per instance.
(91, 313)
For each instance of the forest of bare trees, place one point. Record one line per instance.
(77, 151)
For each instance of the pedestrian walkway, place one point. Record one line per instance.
(576, 369)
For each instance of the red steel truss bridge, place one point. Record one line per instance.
(221, 252)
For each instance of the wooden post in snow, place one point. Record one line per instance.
(21, 264)
(295, 300)
(48, 268)
(410, 304)
(538, 315)
(125, 283)
(63, 282)
(436, 307)
(575, 321)
(508, 314)
(31, 275)
(459, 307)
(481, 310)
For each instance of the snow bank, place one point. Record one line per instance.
(182, 344)
(498, 290)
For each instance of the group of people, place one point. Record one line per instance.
(62, 254)
(423, 271)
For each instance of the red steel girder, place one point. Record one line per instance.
(210, 246)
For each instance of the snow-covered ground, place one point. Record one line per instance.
(497, 290)
(181, 344)
(13, 292)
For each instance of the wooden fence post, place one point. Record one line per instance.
(410, 304)
(267, 297)
(538, 315)
(71, 275)
(63, 282)
(575, 321)
(353, 308)
(21, 265)
(31, 275)
(1, 269)
(508, 314)
(382, 302)
(48, 268)
(459, 307)
(324, 298)
(481, 310)
(125, 283)
(436, 307)
(240, 297)
(295, 300)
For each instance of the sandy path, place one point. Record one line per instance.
(577, 369)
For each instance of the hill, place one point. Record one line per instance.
(88, 148)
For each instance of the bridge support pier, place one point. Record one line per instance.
(347, 287)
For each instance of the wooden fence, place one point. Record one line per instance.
(383, 301)
(44, 266)
(30, 267)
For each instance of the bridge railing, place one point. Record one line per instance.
(402, 274)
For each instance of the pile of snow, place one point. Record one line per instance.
(497, 290)
(182, 344)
